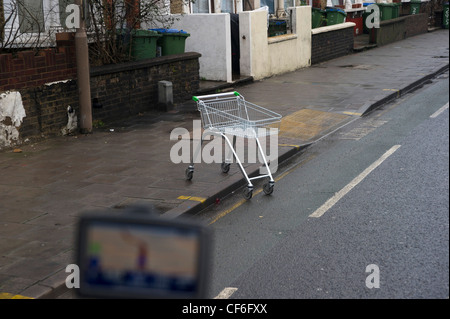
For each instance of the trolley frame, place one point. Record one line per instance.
(229, 113)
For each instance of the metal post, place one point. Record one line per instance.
(281, 13)
(84, 87)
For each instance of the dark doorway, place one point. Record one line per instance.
(235, 50)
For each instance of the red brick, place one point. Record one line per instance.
(65, 36)
(5, 62)
(39, 61)
(17, 64)
(3, 83)
(28, 58)
(49, 56)
(41, 70)
(5, 75)
(60, 58)
(36, 77)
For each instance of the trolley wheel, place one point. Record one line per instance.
(189, 173)
(247, 193)
(268, 188)
(225, 167)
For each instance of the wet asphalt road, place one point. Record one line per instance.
(396, 218)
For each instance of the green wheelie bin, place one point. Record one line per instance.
(172, 41)
(415, 6)
(317, 17)
(335, 16)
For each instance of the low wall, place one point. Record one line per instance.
(31, 69)
(119, 91)
(331, 42)
(261, 56)
(129, 88)
(400, 28)
(433, 9)
(46, 108)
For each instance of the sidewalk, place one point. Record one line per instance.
(46, 186)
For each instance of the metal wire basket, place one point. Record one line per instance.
(230, 113)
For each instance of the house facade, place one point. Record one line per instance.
(29, 23)
(229, 6)
(240, 28)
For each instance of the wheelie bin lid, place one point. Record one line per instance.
(331, 9)
(161, 30)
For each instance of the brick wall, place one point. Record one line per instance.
(121, 90)
(30, 70)
(416, 24)
(129, 88)
(332, 44)
(432, 8)
(400, 28)
(46, 108)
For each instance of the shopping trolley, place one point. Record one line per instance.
(230, 114)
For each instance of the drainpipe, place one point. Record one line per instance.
(82, 58)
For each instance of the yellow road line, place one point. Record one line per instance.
(5, 295)
(194, 198)
(290, 145)
(198, 199)
(227, 211)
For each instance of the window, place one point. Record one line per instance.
(200, 6)
(289, 3)
(2, 22)
(31, 16)
(270, 4)
(227, 6)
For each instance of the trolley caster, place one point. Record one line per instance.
(189, 173)
(225, 167)
(268, 188)
(248, 193)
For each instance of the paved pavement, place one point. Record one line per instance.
(48, 184)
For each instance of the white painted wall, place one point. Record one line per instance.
(12, 110)
(210, 35)
(262, 56)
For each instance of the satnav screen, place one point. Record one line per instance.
(141, 257)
